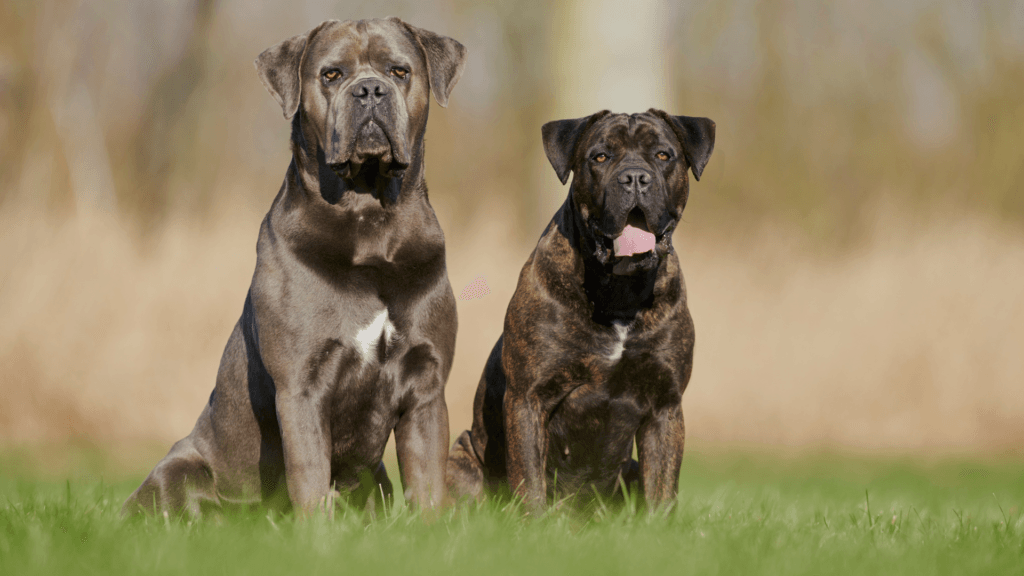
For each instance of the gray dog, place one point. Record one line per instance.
(598, 342)
(348, 329)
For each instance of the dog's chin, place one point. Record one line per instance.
(635, 263)
(631, 264)
(366, 168)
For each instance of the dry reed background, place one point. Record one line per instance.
(854, 252)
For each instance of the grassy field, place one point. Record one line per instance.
(738, 513)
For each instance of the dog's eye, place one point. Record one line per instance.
(600, 158)
(399, 73)
(332, 75)
(663, 156)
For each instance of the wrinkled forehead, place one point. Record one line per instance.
(363, 41)
(630, 130)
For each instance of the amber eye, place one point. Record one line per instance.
(399, 73)
(600, 158)
(663, 156)
(332, 75)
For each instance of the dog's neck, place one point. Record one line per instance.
(315, 207)
(318, 180)
(614, 297)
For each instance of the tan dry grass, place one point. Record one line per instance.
(910, 341)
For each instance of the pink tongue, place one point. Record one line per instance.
(633, 241)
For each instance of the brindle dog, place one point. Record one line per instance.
(597, 348)
(348, 329)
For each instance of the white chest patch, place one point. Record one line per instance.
(378, 333)
(622, 331)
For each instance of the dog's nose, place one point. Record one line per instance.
(369, 90)
(635, 179)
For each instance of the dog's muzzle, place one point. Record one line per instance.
(372, 142)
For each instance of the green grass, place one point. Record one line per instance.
(737, 514)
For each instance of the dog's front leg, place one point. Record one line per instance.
(527, 448)
(660, 442)
(421, 441)
(305, 438)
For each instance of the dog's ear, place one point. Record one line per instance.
(697, 136)
(560, 138)
(446, 58)
(279, 68)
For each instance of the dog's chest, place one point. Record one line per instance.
(367, 390)
(618, 342)
(624, 370)
(373, 339)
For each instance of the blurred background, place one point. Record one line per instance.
(854, 252)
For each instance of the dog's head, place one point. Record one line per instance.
(363, 89)
(630, 183)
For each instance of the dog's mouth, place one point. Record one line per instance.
(371, 157)
(636, 247)
(636, 236)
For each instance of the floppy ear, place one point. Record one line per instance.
(279, 68)
(697, 136)
(560, 138)
(446, 59)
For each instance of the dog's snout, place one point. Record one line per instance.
(635, 179)
(369, 89)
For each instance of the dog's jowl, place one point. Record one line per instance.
(348, 330)
(597, 346)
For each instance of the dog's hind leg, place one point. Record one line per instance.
(464, 477)
(182, 484)
(476, 461)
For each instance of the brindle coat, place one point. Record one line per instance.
(597, 349)
(348, 329)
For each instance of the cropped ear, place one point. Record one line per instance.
(560, 138)
(697, 136)
(446, 58)
(279, 68)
